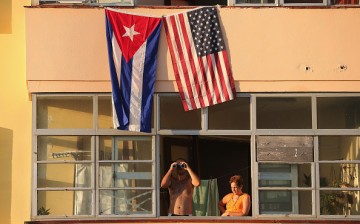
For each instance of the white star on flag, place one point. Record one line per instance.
(130, 32)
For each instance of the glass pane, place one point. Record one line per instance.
(125, 175)
(345, 2)
(284, 175)
(254, 1)
(125, 202)
(285, 202)
(339, 147)
(302, 1)
(105, 119)
(232, 115)
(137, 148)
(105, 113)
(64, 175)
(283, 113)
(64, 203)
(68, 148)
(339, 175)
(338, 112)
(64, 112)
(339, 203)
(105, 2)
(173, 116)
(118, 2)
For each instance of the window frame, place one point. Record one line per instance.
(95, 134)
(157, 132)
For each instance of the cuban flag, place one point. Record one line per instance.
(132, 42)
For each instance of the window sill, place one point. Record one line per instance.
(192, 220)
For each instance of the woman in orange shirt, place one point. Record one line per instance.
(236, 203)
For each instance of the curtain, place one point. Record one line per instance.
(206, 198)
(82, 199)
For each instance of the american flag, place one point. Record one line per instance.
(199, 58)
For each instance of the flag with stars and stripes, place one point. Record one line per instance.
(199, 58)
(132, 42)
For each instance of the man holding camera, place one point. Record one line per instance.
(180, 180)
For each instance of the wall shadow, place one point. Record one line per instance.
(5, 17)
(6, 147)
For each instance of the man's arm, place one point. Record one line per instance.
(194, 178)
(166, 181)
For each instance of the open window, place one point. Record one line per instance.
(213, 158)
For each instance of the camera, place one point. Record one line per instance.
(182, 166)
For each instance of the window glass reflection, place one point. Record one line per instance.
(125, 202)
(64, 203)
(339, 203)
(343, 175)
(64, 148)
(283, 113)
(105, 118)
(284, 175)
(339, 147)
(285, 202)
(338, 112)
(125, 148)
(71, 175)
(64, 112)
(173, 115)
(232, 115)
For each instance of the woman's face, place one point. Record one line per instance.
(235, 189)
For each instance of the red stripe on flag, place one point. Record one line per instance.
(228, 71)
(188, 48)
(221, 76)
(205, 82)
(173, 59)
(182, 58)
(213, 79)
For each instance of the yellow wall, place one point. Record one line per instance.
(269, 48)
(15, 118)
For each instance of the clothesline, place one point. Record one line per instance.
(227, 174)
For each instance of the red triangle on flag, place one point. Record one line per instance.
(131, 31)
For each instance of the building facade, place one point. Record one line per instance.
(292, 131)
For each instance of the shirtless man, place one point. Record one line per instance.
(181, 180)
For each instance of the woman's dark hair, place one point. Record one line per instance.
(236, 179)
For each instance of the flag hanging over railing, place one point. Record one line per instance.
(132, 48)
(199, 58)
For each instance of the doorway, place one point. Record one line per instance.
(210, 157)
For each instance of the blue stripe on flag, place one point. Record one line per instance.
(113, 75)
(149, 80)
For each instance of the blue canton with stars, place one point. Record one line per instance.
(206, 31)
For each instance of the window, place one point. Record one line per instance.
(297, 153)
(283, 112)
(83, 167)
(293, 2)
(285, 170)
(90, 2)
(255, 2)
(338, 172)
(125, 176)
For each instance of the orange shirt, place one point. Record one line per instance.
(235, 206)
